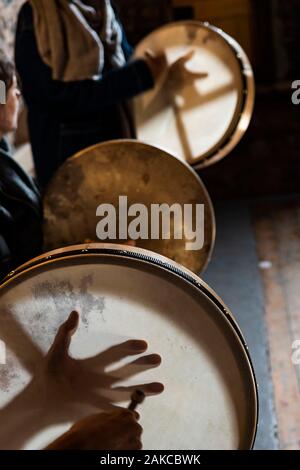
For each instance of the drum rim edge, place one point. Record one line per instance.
(249, 102)
(160, 261)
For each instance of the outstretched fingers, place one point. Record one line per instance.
(196, 75)
(117, 353)
(136, 367)
(186, 57)
(60, 347)
(96, 380)
(121, 394)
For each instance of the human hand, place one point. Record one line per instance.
(65, 383)
(64, 389)
(118, 430)
(157, 63)
(179, 75)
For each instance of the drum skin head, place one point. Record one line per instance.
(143, 173)
(210, 397)
(199, 122)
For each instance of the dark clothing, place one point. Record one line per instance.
(20, 214)
(67, 117)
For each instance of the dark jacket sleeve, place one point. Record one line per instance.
(6, 262)
(20, 214)
(127, 49)
(82, 97)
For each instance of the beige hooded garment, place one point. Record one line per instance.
(75, 37)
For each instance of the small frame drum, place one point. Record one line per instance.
(202, 121)
(210, 397)
(144, 174)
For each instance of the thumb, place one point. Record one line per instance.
(196, 75)
(60, 347)
(187, 56)
(150, 54)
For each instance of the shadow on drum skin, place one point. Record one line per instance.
(164, 98)
(165, 301)
(195, 99)
(12, 332)
(208, 344)
(30, 412)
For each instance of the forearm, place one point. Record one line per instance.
(19, 421)
(90, 96)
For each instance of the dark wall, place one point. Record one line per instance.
(266, 162)
(140, 17)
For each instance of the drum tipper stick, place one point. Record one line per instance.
(137, 398)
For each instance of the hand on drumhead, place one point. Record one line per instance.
(118, 430)
(157, 63)
(74, 382)
(179, 75)
(59, 351)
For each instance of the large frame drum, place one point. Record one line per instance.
(210, 397)
(144, 174)
(200, 123)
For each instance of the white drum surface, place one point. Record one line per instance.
(197, 120)
(209, 391)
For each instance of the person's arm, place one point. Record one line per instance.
(6, 262)
(82, 97)
(6, 224)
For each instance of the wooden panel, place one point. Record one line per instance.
(233, 16)
(278, 243)
(239, 29)
(216, 8)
